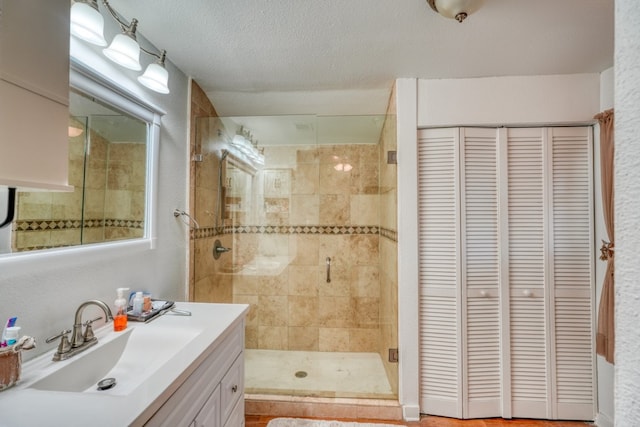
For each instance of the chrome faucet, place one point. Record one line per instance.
(79, 337)
(80, 340)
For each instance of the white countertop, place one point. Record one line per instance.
(22, 406)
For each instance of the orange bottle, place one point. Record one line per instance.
(120, 316)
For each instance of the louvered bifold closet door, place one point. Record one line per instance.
(550, 273)
(480, 273)
(572, 242)
(439, 275)
(529, 354)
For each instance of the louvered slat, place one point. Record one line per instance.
(440, 391)
(572, 253)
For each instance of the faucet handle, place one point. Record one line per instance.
(64, 345)
(88, 330)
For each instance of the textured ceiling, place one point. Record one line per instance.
(257, 57)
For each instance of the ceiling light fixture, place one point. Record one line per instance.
(455, 9)
(87, 24)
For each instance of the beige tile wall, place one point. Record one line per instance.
(115, 176)
(296, 309)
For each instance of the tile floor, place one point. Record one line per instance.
(328, 374)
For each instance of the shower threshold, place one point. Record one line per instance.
(316, 374)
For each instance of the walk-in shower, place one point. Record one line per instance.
(311, 225)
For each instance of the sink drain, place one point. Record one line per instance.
(106, 384)
(301, 374)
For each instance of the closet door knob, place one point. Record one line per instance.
(527, 293)
(484, 294)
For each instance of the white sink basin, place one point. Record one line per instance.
(130, 357)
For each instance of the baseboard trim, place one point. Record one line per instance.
(410, 413)
(603, 420)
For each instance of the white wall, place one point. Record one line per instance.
(627, 206)
(44, 291)
(605, 416)
(508, 100)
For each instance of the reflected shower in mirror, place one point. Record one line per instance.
(108, 170)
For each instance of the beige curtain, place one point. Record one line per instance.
(605, 338)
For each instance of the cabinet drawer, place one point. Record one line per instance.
(232, 387)
(236, 419)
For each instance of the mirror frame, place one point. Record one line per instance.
(87, 81)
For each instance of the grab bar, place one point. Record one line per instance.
(328, 270)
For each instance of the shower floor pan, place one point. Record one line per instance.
(316, 374)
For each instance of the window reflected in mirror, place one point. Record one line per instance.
(108, 170)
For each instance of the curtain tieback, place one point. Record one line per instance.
(606, 251)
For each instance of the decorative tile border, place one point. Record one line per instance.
(389, 234)
(332, 230)
(70, 224)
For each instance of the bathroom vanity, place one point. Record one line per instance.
(173, 371)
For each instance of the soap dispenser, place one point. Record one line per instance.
(120, 316)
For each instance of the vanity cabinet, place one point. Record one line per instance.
(213, 395)
(34, 93)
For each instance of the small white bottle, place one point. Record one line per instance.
(138, 302)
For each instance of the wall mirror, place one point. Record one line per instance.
(112, 167)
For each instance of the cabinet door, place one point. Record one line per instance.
(439, 272)
(459, 272)
(529, 354)
(232, 387)
(236, 419)
(480, 273)
(573, 275)
(209, 415)
(550, 265)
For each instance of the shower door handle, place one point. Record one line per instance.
(328, 270)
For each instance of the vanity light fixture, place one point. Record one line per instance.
(455, 9)
(87, 24)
